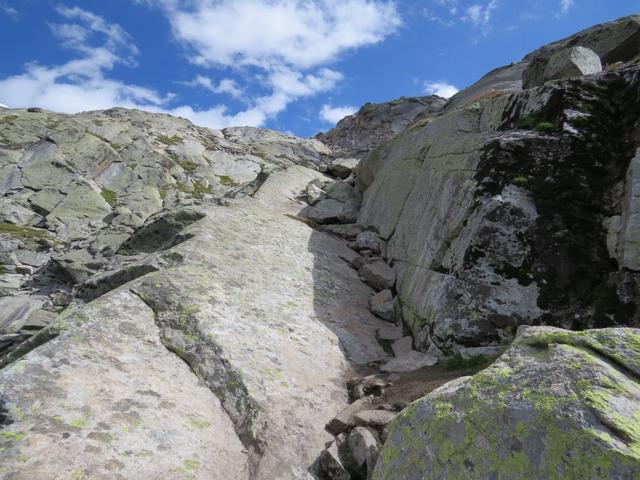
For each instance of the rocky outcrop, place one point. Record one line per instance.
(493, 214)
(210, 330)
(613, 42)
(557, 404)
(90, 195)
(356, 135)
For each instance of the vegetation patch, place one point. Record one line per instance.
(227, 181)
(24, 232)
(109, 196)
(187, 166)
(546, 127)
(520, 180)
(8, 118)
(170, 139)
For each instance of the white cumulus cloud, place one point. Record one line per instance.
(282, 47)
(289, 42)
(442, 89)
(332, 114)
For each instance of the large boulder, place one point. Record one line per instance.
(569, 63)
(557, 404)
(617, 41)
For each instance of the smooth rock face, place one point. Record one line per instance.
(557, 404)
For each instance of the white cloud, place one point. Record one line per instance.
(480, 15)
(226, 85)
(442, 89)
(8, 10)
(287, 41)
(298, 33)
(565, 5)
(334, 114)
(284, 45)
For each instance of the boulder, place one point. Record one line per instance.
(557, 404)
(569, 63)
(345, 420)
(341, 191)
(402, 346)
(364, 449)
(390, 333)
(617, 41)
(378, 274)
(330, 464)
(368, 240)
(314, 194)
(409, 361)
(342, 167)
(325, 211)
(382, 305)
(351, 211)
(377, 419)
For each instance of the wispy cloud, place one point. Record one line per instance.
(565, 5)
(8, 10)
(332, 114)
(480, 15)
(442, 89)
(225, 86)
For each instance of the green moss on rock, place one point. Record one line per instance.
(109, 196)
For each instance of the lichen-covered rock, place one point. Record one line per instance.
(557, 405)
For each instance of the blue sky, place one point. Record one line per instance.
(292, 65)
